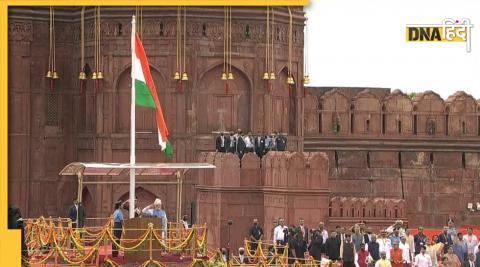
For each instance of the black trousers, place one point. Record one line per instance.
(253, 246)
(282, 244)
(348, 264)
(117, 232)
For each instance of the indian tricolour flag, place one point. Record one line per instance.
(146, 93)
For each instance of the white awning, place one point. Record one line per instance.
(118, 169)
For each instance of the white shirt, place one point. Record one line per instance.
(248, 141)
(385, 245)
(278, 233)
(472, 242)
(405, 251)
(422, 260)
(222, 141)
(324, 236)
(185, 224)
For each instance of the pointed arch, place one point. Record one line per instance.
(224, 105)
(284, 104)
(145, 117)
(88, 202)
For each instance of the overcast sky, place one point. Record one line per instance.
(362, 43)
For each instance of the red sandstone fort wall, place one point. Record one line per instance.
(281, 184)
(375, 140)
(48, 128)
(422, 149)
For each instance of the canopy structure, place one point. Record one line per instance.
(80, 169)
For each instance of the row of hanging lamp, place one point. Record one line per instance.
(306, 77)
(52, 71)
(290, 80)
(97, 72)
(181, 45)
(269, 73)
(227, 73)
(82, 75)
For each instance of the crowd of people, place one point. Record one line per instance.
(239, 143)
(360, 247)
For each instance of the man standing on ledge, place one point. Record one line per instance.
(155, 210)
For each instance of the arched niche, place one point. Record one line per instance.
(463, 114)
(144, 117)
(398, 114)
(283, 104)
(221, 106)
(88, 204)
(335, 113)
(366, 112)
(431, 107)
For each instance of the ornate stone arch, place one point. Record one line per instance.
(398, 113)
(463, 114)
(367, 110)
(224, 105)
(335, 113)
(430, 107)
(145, 117)
(283, 104)
(88, 203)
(217, 64)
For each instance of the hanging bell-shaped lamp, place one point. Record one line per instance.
(81, 75)
(306, 79)
(184, 77)
(100, 75)
(49, 74)
(272, 76)
(176, 76)
(224, 76)
(265, 76)
(94, 75)
(230, 76)
(55, 75)
(290, 80)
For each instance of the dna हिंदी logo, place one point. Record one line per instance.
(450, 30)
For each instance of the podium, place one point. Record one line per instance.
(134, 229)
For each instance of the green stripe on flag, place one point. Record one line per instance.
(168, 150)
(142, 95)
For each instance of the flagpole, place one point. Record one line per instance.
(131, 206)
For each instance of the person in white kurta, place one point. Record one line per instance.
(411, 243)
(405, 249)
(471, 240)
(422, 259)
(384, 244)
